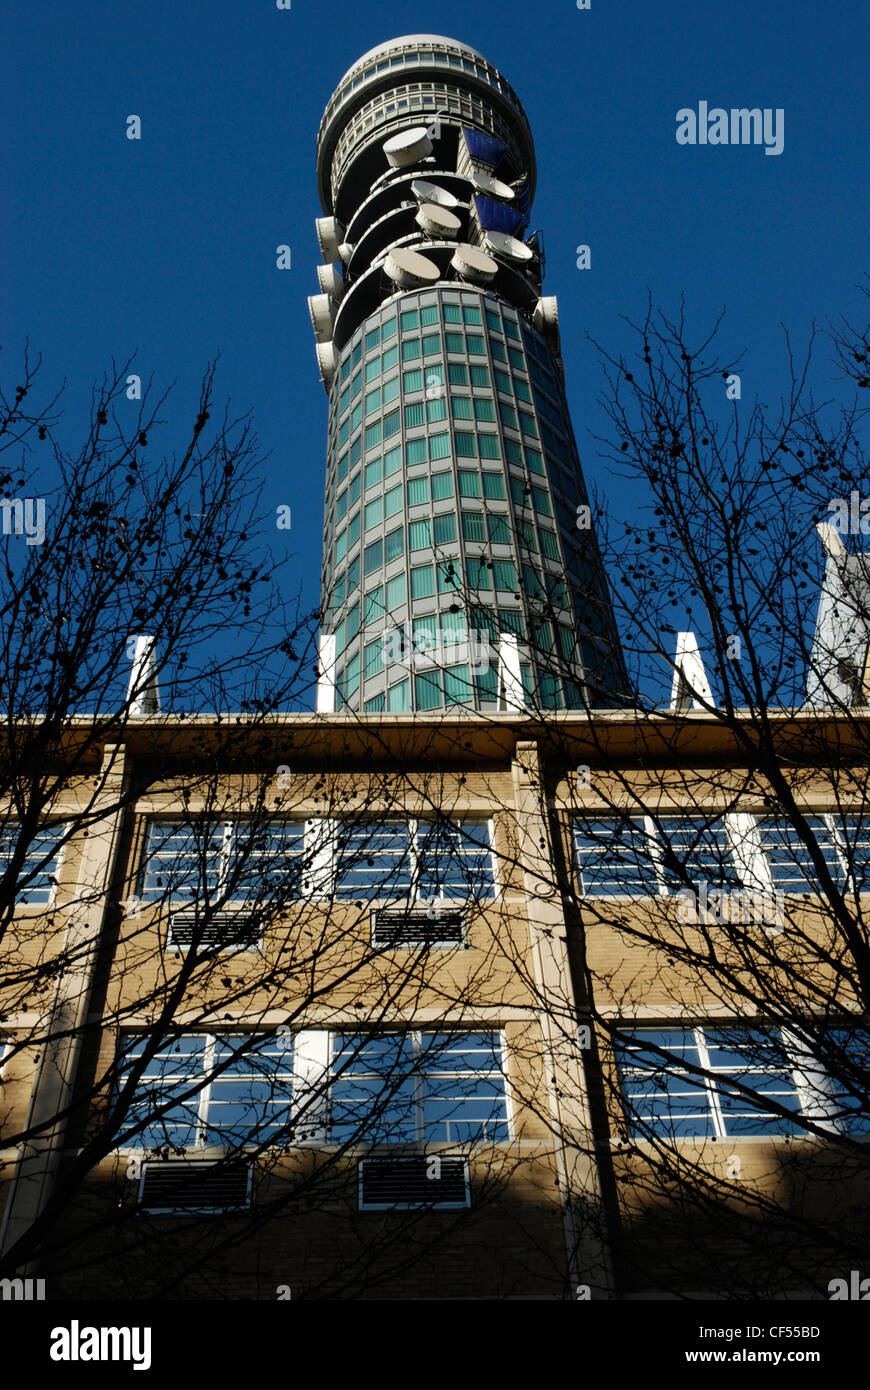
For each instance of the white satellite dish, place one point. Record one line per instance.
(485, 183)
(408, 147)
(322, 311)
(545, 318)
(330, 281)
(437, 221)
(409, 269)
(510, 246)
(345, 251)
(426, 192)
(473, 264)
(329, 234)
(327, 360)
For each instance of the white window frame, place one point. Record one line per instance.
(227, 829)
(420, 1142)
(815, 1089)
(54, 878)
(413, 898)
(201, 1100)
(320, 859)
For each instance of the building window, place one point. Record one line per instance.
(415, 1087)
(418, 491)
(632, 857)
(396, 593)
(844, 843)
(395, 543)
(427, 690)
(420, 535)
(399, 697)
(461, 407)
(444, 528)
(466, 446)
(442, 486)
(504, 575)
(37, 876)
(393, 503)
(415, 451)
(457, 374)
(373, 659)
(241, 1091)
(238, 861)
(666, 1095)
(423, 581)
(373, 557)
(414, 858)
(472, 526)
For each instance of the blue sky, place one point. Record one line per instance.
(166, 246)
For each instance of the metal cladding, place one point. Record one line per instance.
(459, 563)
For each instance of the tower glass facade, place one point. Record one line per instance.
(454, 497)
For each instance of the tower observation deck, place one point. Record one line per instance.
(459, 566)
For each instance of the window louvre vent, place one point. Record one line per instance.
(194, 1187)
(224, 931)
(402, 926)
(424, 1181)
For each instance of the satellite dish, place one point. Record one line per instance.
(322, 311)
(327, 360)
(437, 221)
(509, 246)
(426, 192)
(474, 264)
(484, 181)
(330, 281)
(408, 147)
(329, 234)
(545, 317)
(409, 269)
(345, 251)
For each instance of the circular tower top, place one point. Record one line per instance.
(409, 81)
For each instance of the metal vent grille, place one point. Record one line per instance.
(225, 931)
(194, 1187)
(414, 1182)
(402, 926)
